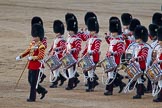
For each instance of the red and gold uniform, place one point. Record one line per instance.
(36, 51)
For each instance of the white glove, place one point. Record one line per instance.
(30, 58)
(18, 58)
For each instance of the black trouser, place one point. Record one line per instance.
(32, 79)
(140, 87)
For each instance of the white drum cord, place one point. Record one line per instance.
(127, 87)
(41, 71)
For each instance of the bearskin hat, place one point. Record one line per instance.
(153, 28)
(89, 15)
(159, 34)
(126, 18)
(134, 23)
(113, 27)
(72, 25)
(114, 18)
(70, 16)
(36, 19)
(141, 32)
(58, 27)
(157, 19)
(37, 31)
(93, 24)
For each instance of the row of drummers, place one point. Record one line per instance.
(127, 45)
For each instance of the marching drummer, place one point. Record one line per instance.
(57, 48)
(92, 49)
(158, 60)
(72, 16)
(140, 57)
(116, 49)
(36, 53)
(73, 46)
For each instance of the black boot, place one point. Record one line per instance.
(109, 88)
(42, 78)
(54, 84)
(70, 84)
(140, 91)
(159, 97)
(41, 90)
(122, 85)
(107, 92)
(137, 96)
(76, 82)
(43, 94)
(90, 85)
(63, 79)
(118, 82)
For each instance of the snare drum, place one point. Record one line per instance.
(133, 71)
(86, 63)
(154, 73)
(53, 62)
(108, 64)
(68, 61)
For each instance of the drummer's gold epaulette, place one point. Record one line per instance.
(41, 46)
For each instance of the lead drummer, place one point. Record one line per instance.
(116, 49)
(140, 56)
(57, 48)
(158, 60)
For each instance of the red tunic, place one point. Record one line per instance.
(142, 53)
(93, 46)
(58, 46)
(73, 44)
(116, 46)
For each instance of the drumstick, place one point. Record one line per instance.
(21, 75)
